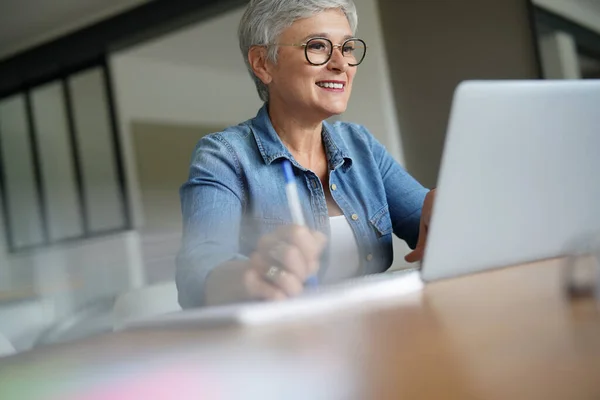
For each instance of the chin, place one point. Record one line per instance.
(331, 110)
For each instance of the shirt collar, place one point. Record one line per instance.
(272, 148)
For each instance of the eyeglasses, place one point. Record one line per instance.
(318, 51)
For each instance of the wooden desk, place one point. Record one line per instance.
(504, 334)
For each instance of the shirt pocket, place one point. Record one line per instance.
(382, 222)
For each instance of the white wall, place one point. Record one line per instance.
(372, 102)
(150, 90)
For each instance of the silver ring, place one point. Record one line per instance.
(274, 273)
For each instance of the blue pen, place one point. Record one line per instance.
(291, 190)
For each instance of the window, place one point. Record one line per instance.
(61, 172)
(590, 67)
(568, 49)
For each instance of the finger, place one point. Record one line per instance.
(259, 289)
(310, 244)
(289, 280)
(291, 259)
(267, 241)
(286, 282)
(414, 256)
(277, 248)
(321, 240)
(417, 253)
(428, 207)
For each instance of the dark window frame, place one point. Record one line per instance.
(63, 78)
(586, 40)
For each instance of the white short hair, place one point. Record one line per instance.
(265, 20)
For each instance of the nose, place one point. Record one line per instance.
(338, 61)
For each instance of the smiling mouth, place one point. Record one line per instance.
(331, 85)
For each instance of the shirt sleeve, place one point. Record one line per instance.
(212, 204)
(405, 195)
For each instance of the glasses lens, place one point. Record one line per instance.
(354, 51)
(318, 51)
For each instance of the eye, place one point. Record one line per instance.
(318, 45)
(348, 49)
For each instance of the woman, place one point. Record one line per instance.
(239, 241)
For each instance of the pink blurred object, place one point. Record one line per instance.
(181, 382)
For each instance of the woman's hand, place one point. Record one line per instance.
(419, 251)
(282, 263)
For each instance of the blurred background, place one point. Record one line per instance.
(102, 102)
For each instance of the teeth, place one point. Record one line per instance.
(331, 85)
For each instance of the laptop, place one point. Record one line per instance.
(520, 175)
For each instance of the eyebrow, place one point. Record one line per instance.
(323, 34)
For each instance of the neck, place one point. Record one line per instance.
(301, 135)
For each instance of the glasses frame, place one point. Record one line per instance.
(331, 48)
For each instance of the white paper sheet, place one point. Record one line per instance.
(365, 291)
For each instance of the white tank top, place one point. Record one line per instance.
(344, 259)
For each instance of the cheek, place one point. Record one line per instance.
(302, 76)
(351, 79)
(351, 74)
(306, 78)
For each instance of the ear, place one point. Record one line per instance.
(257, 56)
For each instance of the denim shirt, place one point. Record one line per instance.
(236, 193)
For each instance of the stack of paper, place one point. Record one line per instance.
(361, 292)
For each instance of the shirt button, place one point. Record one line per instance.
(334, 187)
(354, 217)
(370, 257)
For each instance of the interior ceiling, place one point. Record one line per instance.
(592, 5)
(210, 44)
(26, 23)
